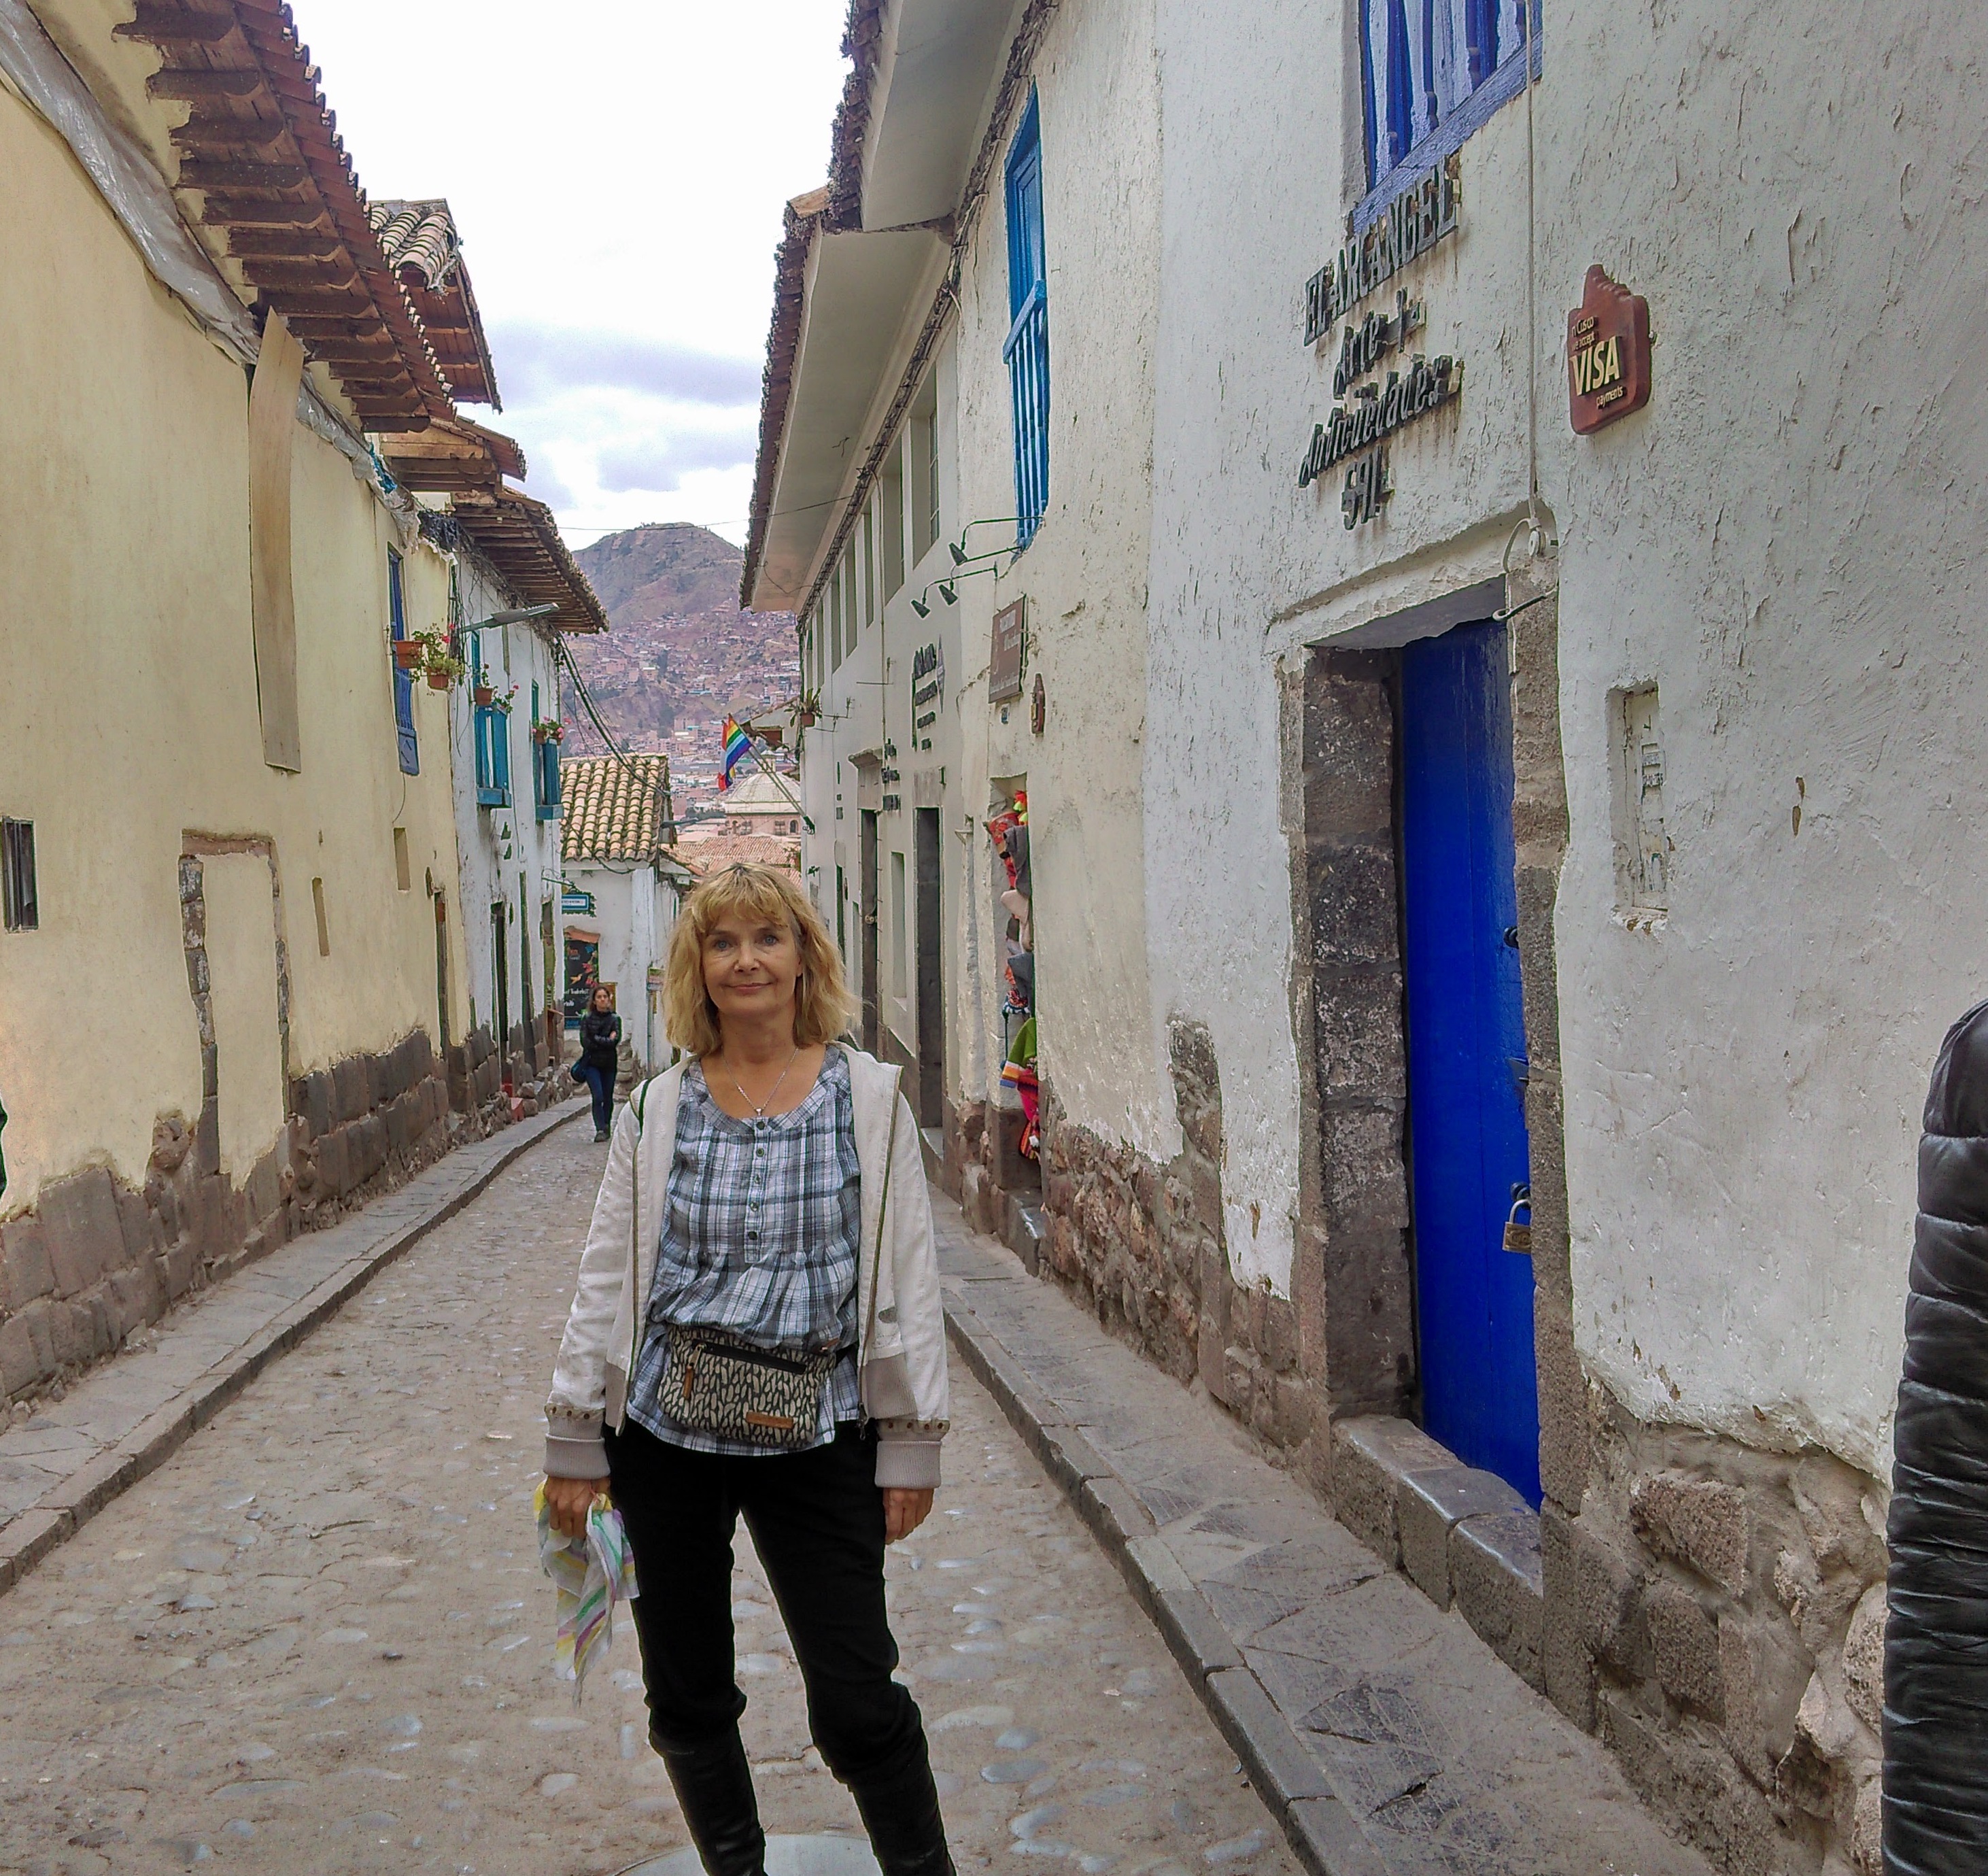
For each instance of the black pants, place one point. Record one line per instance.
(817, 1522)
(600, 1084)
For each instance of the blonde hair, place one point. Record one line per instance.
(823, 1009)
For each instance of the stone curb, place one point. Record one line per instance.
(65, 1508)
(1326, 1837)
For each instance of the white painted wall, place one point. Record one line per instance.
(513, 654)
(1247, 567)
(1786, 542)
(1083, 576)
(634, 912)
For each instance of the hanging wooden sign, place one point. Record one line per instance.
(1004, 675)
(1607, 353)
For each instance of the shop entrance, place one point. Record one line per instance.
(1469, 1165)
(500, 989)
(870, 891)
(931, 977)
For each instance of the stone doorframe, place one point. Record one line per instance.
(1353, 1277)
(195, 847)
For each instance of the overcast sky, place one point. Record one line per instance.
(617, 170)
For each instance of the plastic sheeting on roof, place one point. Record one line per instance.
(134, 191)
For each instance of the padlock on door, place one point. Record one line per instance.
(1519, 1238)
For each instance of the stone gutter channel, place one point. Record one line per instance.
(1390, 1728)
(122, 1420)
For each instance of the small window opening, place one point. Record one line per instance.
(403, 872)
(1643, 849)
(22, 902)
(323, 923)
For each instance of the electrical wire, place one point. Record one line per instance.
(564, 652)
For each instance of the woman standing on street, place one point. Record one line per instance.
(756, 1329)
(599, 1055)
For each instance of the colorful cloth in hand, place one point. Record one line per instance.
(590, 1575)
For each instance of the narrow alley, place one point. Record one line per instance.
(318, 1640)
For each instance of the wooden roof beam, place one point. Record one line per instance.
(249, 211)
(307, 278)
(205, 173)
(171, 26)
(199, 87)
(319, 244)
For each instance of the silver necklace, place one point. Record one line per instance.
(759, 1111)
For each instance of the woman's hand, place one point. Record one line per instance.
(905, 1510)
(570, 1500)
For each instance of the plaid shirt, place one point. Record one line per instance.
(760, 1233)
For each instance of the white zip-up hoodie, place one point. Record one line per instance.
(901, 1344)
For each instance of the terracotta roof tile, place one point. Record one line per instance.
(614, 808)
(727, 849)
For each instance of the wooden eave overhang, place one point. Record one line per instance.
(803, 221)
(519, 537)
(261, 164)
(452, 456)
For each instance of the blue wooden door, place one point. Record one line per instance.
(1466, 1053)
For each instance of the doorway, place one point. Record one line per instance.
(500, 989)
(867, 885)
(1470, 1163)
(925, 855)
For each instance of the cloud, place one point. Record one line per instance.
(538, 363)
(661, 462)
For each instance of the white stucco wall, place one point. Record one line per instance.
(1247, 568)
(1085, 580)
(511, 655)
(1785, 542)
(634, 912)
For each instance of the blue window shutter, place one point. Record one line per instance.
(490, 733)
(1026, 350)
(404, 681)
(1421, 63)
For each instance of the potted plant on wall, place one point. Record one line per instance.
(407, 653)
(503, 699)
(548, 729)
(807, 709)
(438, 663)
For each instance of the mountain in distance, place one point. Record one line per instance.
(683, 654)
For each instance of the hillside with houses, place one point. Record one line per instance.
(682, 655)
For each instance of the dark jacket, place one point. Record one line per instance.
(1936, 1643)
(599, 1038)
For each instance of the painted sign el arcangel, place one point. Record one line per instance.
(1413, 224)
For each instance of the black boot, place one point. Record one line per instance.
(901, 1812)
(713, 1784)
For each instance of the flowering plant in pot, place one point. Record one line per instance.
(407, 653)
(548, 729)
(503, 699)
(438, 663)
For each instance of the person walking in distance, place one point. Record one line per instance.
(756, 1332)
(599, 1055)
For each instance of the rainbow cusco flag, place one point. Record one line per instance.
(737, 746)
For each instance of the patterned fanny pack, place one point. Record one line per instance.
(716, 1383)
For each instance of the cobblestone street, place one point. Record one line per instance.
(317, 1638)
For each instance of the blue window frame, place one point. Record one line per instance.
(1434, 70)
(404, 681)
(544, 772)
(1026, 350)
(491, 729)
